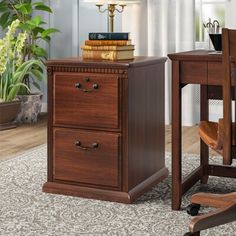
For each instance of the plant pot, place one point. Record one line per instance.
(8, 114)
(30, 108)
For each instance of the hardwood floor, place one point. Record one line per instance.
(25, 137)
(190, 140)
(22, 138)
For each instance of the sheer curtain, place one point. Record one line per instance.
(159, 27)
(230, 16)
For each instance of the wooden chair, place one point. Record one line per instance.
(221, 138)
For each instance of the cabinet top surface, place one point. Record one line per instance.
(196, 55)
(78, 61)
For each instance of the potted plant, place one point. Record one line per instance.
(33, 25)
(12, 73)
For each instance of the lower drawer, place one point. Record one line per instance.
(86, 157)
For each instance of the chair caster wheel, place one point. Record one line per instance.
(193, 209)
(187, 234)
(192, 234)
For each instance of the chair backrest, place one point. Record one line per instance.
(229, 82)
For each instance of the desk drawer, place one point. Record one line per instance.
(215, 73)
(86, 157)
(88, 100)
(193, 72)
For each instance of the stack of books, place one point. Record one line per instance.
(108, 46)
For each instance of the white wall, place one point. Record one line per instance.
(65, 17)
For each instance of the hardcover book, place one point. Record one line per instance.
(107, 42)
(108, 48)
(109, 36)
(108, 55)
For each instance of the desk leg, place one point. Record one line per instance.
(204, 150)
(176, 138)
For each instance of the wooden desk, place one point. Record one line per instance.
(194, 67)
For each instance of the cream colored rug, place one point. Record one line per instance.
(26, 211)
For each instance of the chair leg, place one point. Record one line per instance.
(219, 217)
(196, 234)
(213, 200)
(204, 149)
(192, 234)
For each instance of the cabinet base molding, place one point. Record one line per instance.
(106, 195)
(147, 184)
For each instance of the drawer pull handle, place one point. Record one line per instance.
(79, 86)
(95, 86)
(79, 145)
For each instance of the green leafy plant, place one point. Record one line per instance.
(23, 11)
(13, 68)
(26, 12)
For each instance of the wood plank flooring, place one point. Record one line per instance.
(25, 137)
(190, 140)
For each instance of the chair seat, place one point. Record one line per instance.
(211, 133)
(208, 132)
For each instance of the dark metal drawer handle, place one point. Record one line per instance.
(79, 145)
(85, 90)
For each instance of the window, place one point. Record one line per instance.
(205, 10)
(215, 10)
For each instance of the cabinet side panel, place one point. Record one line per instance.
(146, 132)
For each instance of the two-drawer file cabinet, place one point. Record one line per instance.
(105, 127)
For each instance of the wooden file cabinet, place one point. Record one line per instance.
(105, 127)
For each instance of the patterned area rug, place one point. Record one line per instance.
(26, 211)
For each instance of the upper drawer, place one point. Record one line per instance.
(215, 73)
(86, 100)
(193, 72)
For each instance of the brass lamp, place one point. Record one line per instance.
(112, 7)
